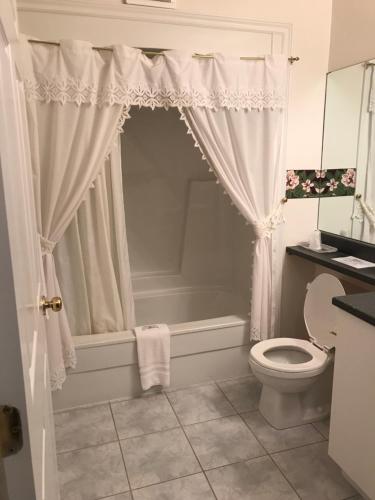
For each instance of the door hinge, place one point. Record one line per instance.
(11, 440)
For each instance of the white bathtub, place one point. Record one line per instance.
(183, 305)
(212, 344)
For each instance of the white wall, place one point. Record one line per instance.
(182, 230)
(308, 25)
(353, 34)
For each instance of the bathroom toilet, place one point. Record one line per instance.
(297, 374)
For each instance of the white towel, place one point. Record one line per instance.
(154, 352)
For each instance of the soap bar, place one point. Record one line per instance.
(354, 262)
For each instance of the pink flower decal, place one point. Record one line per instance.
(307, 186)
(332, 184)
(292, 180)
(320, 174)
(348, 179)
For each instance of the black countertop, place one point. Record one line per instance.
(361, 305)
(325, 259)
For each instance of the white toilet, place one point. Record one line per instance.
(297, 374)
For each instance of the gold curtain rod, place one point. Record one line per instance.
(156, 53)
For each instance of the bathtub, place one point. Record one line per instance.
(209, 341)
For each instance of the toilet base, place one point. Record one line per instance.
(284, 410)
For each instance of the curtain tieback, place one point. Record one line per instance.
(46, 245)
(264, 228)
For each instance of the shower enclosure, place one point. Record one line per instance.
(190, 255)
(189, 249)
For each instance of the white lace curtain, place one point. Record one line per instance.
(244, 149)
(92, 258)
(71, 131)
(78, 95)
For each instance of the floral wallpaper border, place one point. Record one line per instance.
(320, 183)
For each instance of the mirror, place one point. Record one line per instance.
(347, 199)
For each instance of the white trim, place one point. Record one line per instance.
(112, 10)
(169, 4)
(8, 16)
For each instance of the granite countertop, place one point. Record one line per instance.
(361, 305)
(325, 259)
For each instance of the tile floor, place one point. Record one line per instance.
(200, 443)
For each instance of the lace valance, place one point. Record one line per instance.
(73, 72)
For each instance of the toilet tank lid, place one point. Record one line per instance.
(319, 312)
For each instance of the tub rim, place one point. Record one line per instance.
(125, 336)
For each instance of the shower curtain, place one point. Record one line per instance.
(244, 149)
(72, 122)
(92, 258)
(77, 96)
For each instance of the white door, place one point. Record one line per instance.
(24, 380)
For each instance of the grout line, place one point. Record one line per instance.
(241, 413)
(236, 463)
(296, 447)
(85, 406)
(115, 495)
(320, 432)
(126, 399)
(166, 481)
(208, 382)
(267, 453)
(122, 454)
(285, 449)
(209, 420)
(284, 476)
(187, 387)
(87, 447)
(181, 426)
(150, 433)
(226, 397)
(192, 449)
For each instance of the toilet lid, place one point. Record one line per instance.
(319, 312)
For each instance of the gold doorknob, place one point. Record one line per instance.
(55, 304)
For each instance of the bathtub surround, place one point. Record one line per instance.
(154, 353)
(71, 130)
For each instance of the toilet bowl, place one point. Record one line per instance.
(296, 374)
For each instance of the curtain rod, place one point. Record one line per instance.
(157, 53)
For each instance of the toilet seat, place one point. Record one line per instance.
(320, 321)
(315, 364)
